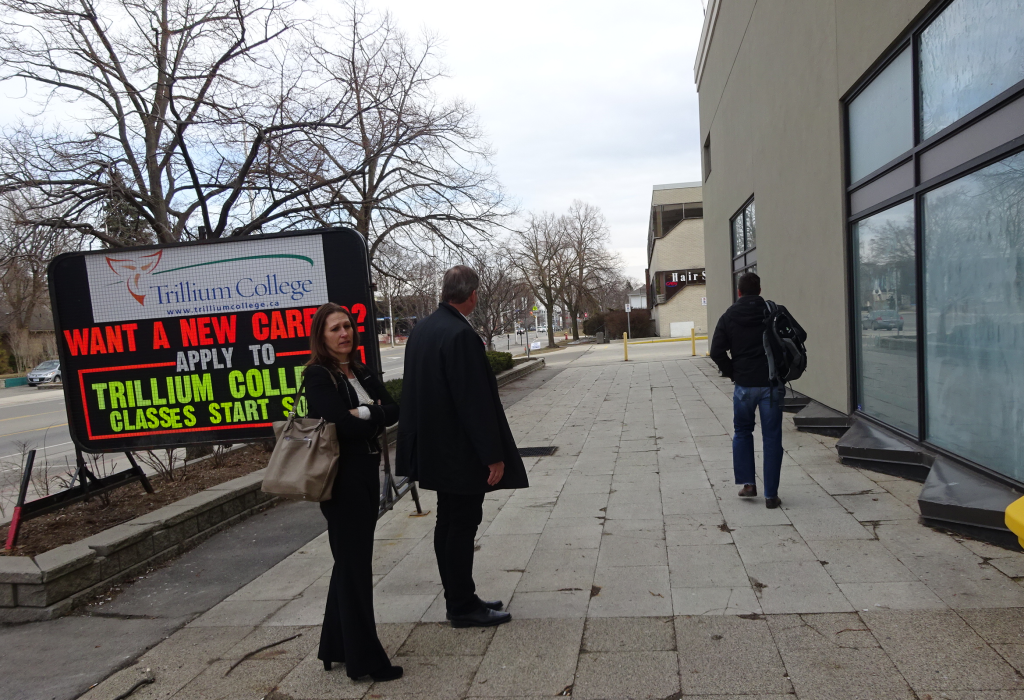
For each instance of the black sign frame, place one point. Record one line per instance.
(347, 277)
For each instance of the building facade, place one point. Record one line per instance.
(675, 260)
(864, 157)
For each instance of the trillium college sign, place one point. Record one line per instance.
(165, 346)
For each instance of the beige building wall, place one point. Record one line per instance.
(681, 249)
(770, 76)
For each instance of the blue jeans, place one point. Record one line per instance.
(745, 399)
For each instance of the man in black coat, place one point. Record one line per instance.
(453, 438)
(737, 347)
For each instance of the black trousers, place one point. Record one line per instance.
(349, 632)
(458, 517)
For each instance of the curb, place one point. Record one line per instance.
(51, 584)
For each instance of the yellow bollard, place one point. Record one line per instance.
(693, 342)
(625, 348)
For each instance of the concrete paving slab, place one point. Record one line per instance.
(706, 566)
(172, 664)
(529, 657)
(620, 634)
(631, 591)
(697, 529)
(859, 561)
(574, 533)
(771, 543)
(937, 650)
(437, 639)
(836, 656)
(796, 587)
(826, 524)
(715, 601)
(238, 613)
(876, 506)
(435, 677)
(309, 681)
(630, 674)
(568, 603)
(728, 655)
(559, 570)
(624, 550)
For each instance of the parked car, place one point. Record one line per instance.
(48, 371)
(885, 319)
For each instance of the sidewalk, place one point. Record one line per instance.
(632, 570)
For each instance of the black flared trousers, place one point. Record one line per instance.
(458, 517)
(349, 632)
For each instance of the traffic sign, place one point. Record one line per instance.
(628, 308)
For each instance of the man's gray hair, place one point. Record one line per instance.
(458, 283)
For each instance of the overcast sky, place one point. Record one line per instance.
(589, 100)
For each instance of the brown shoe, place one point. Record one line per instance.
(748, 491)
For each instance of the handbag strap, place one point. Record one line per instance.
(302, 386)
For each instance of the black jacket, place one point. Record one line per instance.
(324, 400)
(740, 331)
(453, 424)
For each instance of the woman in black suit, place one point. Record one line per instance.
(339, 388)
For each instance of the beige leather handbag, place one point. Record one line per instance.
(304, 463)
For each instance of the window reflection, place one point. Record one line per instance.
(969, 54)
(882, 119)
(974, 293)
(886, 337)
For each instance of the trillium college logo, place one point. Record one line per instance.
(135, 272)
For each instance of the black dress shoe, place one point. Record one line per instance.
(481, 617)
(492, 604)
(748, 491)
(772, 502)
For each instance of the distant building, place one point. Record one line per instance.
(637, 298)
(675, 260)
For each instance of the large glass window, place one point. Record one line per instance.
(974, 322)
(882, 118)
(744, 243)
(969, 54)
(886, 334)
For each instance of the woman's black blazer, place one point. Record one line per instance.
(332, 403)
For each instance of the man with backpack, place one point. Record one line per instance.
(758, 345)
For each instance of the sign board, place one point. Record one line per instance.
(535, 345)
(164, 346)
(703, 301)
(534, 309)
(629, 308)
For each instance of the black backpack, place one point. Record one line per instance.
(784, 345)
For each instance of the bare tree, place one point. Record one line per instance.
(185, 111)
(500, 287)
(25, 252)
(587, 261)
(539, 252)
(428, 173)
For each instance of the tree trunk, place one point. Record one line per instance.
(551, 326)
(575, 327)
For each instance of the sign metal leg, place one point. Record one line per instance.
(137, 470)
(26, 479)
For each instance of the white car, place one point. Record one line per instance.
(48, 371)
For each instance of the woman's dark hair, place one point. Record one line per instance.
(318, 352)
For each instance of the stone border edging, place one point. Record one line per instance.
(52, 583)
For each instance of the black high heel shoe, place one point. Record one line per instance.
(327, 665)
